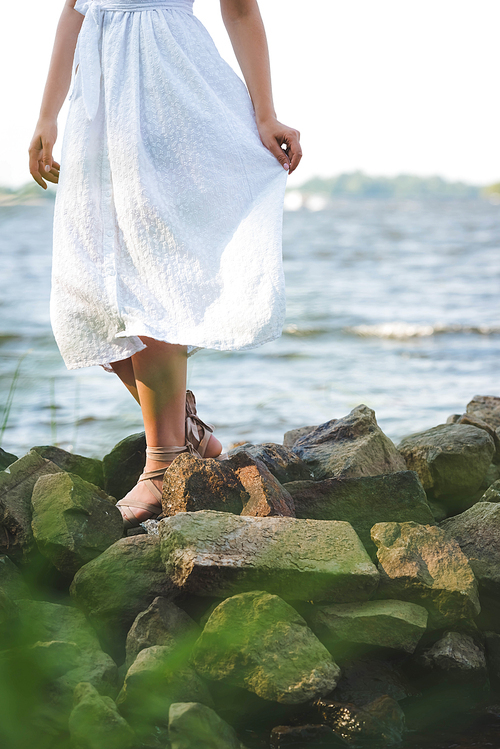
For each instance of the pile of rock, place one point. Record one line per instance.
(335, 590)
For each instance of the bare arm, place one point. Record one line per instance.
(244, 25)
(55, 92)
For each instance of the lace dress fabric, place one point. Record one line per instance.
(168, 213)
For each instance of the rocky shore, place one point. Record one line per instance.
(336, 590)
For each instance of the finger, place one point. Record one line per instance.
(34, 171)
(47, 157)
(277, 151)
(295, 152)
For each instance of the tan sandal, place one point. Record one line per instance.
(168, 454)
(198, 433)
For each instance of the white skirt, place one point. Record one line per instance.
(169, 209)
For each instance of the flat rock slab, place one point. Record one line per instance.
(487, 408)
(256, 641)
(16, 487)
(477, 531)
(282, 462)
(422, 564)
(89, 469)
(398, 625)
(117, 585)
(450, 459)
(73, 520)
(363, 501)
(352, 446)
(219, 554)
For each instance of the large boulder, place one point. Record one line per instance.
(192, 725)
(450, 459)
(73, 521)
(219, 554)
(256, 641)
(16, 487)
(370, 625)
(475, 421)
(282, 462)
(95, 722)
(118, 584)
(352, 446)
(363, 501)
(477, 531)
(162, 623)
(422, 564)
(291, 437)
(124, 464)
(158, 677)
(89, 469)
(487, 408)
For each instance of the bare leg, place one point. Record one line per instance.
(156, 377)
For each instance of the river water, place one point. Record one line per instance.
(394, 304)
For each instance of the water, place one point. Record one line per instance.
(394, 304)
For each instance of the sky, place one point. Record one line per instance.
(386, 86)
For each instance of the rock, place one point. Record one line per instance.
(266, 496)
(422, 564)
(456, 652)
(54, 658)
(283, 463)
(11, 579)
(16, 487)
(475, 421)
(487, 408)
(450, 459)
(95, 722)
(492, 474)
(352, 446)
(162, 623)
(363, 501)
(379, 721)
(319, 736)
(477, 531)
(492, 494)
(89, 469)
(155, 680)
(73, 521)
(293, 435)
(218, 554)
(6, 459)
(124, 464)
(370, 676)
(117, 585)
(195, 726)
(202, 484)
(492, 643)
(258, 642)
(343, 627)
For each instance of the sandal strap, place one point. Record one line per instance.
(195, 427)
(138, 503)
(170, 452)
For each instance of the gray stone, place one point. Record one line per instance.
(193, 483)
(422, 564)
(363, 501)
(73, 520)
(475, 421)
(16, 486)
(398, 625)
(120, 583)
(6, 459)
(352, 446)
(11, 579)
(258, 642)
(282, 462)
(293, 435)
(487, 408)
(51, 659)
(450, 459)
(89, 469)
(219, 554)
(379, 723)
(95, 722)
(162, 623)
(195, 726)
(124, 464)
(492, 494)
(266, 496)
(157, 678)
(364, 678)
(477, 531)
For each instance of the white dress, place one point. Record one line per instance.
(169, 209)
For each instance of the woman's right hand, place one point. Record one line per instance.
(40, 153)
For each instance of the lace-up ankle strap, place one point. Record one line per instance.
(170, 452)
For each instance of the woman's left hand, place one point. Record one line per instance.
(274, 134)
